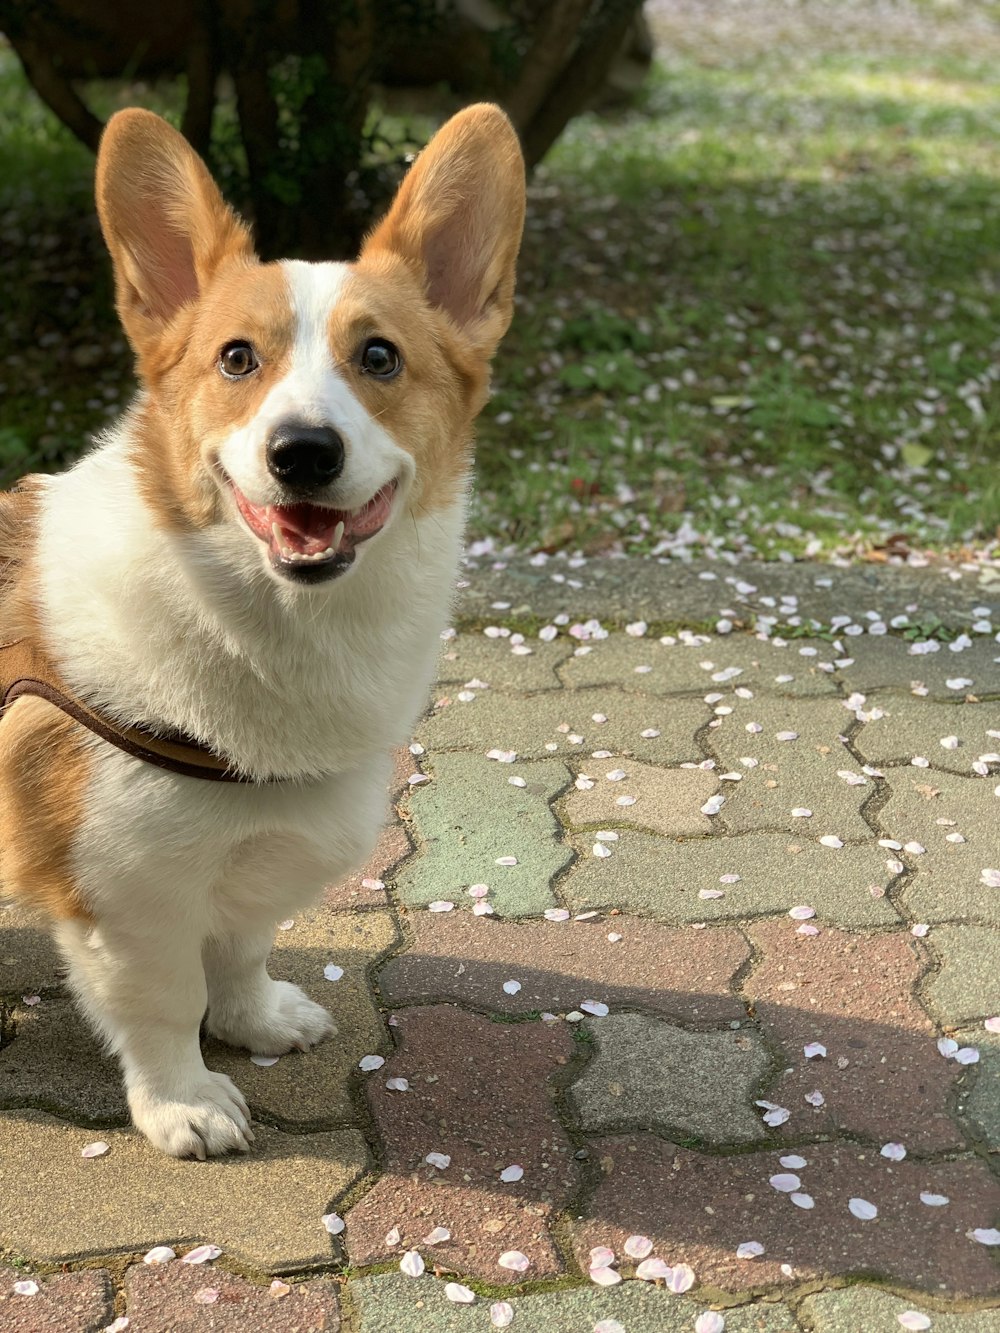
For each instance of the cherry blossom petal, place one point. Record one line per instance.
(501, 1314)
(454, 1291)
(392, 1238)
(805, 1201)
(441, 905)
(785, 1182)
(515, 1261)
(203, 1254)
(609, 1326)
(332, 972)
(749, 1249)
(511, 1173)
(206, 1295)
(438, 1236)
(511, 987)
(986, 1235)
(709, 1322)
(895, 1152)
(397, 1084)
(802, 913)
(862, 1209)
(793, 1162)
(814, 1050)
(934, 1200)
(601, 1256)
(159, 1254)
(25, 1287)
(334, 1223)
(967, 1055)
(594, 1007)
(97, 1149)
(368, 1063)
(411, 1264)
(681, 1279)
(439, 1159)
(277, 1289)
(638, 1247)
(914, 1319)
(605, 1277)
(653, 1270)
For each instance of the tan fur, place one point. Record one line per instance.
(190, 406)
(43, 777)
(428, 409)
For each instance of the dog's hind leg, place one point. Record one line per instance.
(247, 1007)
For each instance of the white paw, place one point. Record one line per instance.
(206, 1118)
(287, 1020)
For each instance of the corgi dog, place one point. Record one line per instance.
(258, 559)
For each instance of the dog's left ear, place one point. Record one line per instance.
(457, 221)
(165, 223)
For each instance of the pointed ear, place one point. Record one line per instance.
(457, 221)
(164, 222)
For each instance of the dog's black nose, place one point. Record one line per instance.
(305, 458)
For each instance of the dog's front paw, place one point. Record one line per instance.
(204, 1119)
(286, 1020)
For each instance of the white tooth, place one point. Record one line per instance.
(328, 552)
(338, 534)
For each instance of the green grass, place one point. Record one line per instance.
(759, 312)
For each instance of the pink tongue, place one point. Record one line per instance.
(306, 528)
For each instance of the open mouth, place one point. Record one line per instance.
(309, 543)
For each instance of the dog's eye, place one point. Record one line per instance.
(237, 359)
(380, 358)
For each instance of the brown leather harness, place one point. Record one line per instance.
(26, 670)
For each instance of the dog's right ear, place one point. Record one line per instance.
(164, 221)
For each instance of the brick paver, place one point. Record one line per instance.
(689, 1011)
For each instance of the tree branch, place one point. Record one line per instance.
(551, 42)
(57, 92)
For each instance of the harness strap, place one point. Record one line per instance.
(34, 675)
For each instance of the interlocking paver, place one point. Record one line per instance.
(665, 800)
(795, 774)
(478, 1092)
(172, 1297)
(403, 1305)
(264, 1208)
(469, 816)
(777, 872)
(70, 1303)
(651, 1074)
(979, 1103)
(717, 667)
(947, 883)
(888, 663)
(698, 1208)
(913, 728)
(472, 656)
(882, 1075)
(675, 973)
(968, 985)
(866, 1308)
(527, 723)
(57, 1064)
(314, 1089)
(29, 961)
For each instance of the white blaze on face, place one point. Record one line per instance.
(315, 392)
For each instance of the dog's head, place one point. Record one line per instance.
(305, 404)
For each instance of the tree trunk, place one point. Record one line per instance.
(580, 79)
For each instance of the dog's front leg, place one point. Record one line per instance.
(146, 995)
(246, 1007)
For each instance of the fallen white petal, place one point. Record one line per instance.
(438, 1236)
(511, 1173)
(609, 1326)
(397, 1084)
(370, 1062)
(594, 1007)
(710, 1321)
(814, 1050)
(967, 1055)
(805, 1201)
(862, 1209)
(332, 972)
(515, 1261)
(653, 1270)
(801, 913)
(934, 1200)
(440, 905)
(206, 1296)
(914, 1319)
(334, 1223)
(203, 1254)
(511, 987)
(895, 1152)
(439, 1159)
(638, 1247)
(454, 1291)
(831, 840)
(785, 1182)
(556, 914)
(501, 1314)
(25, 1287)
(793, 1162)
(159, 1254)
(947, 1046)
(411, 1264)
(605, 1277)
(749, 1249)
(681, 1279)
(392, 1238)
(986, 1235)
(97, 1149)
